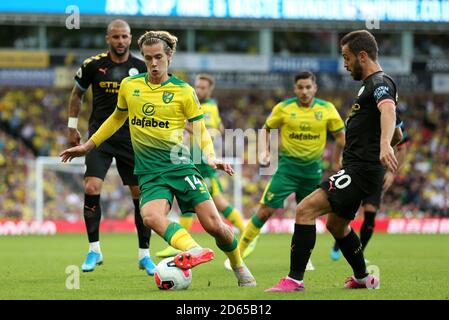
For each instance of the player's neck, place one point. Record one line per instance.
(306, 105)
(119, 59)
(160, 80)
(372, 67)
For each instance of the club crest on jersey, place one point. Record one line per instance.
(167, 96)
(148, 109)
(319, 115)
(133, 72)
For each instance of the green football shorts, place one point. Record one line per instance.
(213, 184)
(282, 185)
(186, 185)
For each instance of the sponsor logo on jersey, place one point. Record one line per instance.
(148, 109)
(354, 108)
(110, 86)
(304, 126)
(303, 136)
(136, 93)
(167, 96)
(103, 70)
(150, 123)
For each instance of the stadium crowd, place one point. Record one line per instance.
(33, 123)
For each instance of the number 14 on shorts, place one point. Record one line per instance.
(195, 182)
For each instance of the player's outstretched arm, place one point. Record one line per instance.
(220, 165)
(78, 151)
(107, 129)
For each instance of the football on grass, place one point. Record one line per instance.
(169, 277)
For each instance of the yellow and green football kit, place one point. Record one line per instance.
(303, 138)
(156, 116)
(303, 132)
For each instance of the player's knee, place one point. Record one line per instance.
(336, 230)
(92, 188)
(304, 210)
(148, 218)
(264, 213)
(370, 219)
(215, 228)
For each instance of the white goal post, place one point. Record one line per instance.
(76, 166)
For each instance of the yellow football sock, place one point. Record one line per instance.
(233, 253)
(179, 238)
(186, 220)
(234, 217)
(252, 230)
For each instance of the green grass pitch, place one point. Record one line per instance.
(34, 267)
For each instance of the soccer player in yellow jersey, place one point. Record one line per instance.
(303, 121)
(157, 105)
(204, 86)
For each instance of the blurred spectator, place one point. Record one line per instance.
(33, 120)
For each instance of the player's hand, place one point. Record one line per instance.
(388, 180)
(73, 137)
(220, 165)
(387, 157)
(78, 151)
(264, 158)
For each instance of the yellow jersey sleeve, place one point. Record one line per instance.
(121, 99)
(217, 118)
(192, 107)
(110, 126)
(275, 119)
(335, 123)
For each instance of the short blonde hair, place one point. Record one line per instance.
(153, 37)
(207, 77)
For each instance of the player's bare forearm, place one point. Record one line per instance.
(401, 154)
(75, 101)
(387, 125)
(78, 151)
(397, 137)
(340, 141)
(387, 122)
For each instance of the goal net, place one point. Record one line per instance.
(59, 191)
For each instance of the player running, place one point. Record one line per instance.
(304, 122)
(157, 105)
